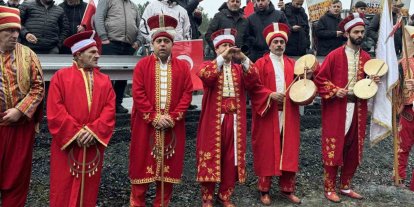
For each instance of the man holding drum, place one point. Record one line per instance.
(276, 153)
(343, 114)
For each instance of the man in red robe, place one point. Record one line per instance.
(276, 152)
(21, 95)
(162, 92)
(406, 130)
(343, 114)
(81, 119)
(221, 137)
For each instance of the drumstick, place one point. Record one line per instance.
(291, 83)
(349, 82)
(377, 73)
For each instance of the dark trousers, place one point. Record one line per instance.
(118, 48)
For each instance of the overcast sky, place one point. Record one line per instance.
(211, 6)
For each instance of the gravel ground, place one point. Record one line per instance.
(373, 178)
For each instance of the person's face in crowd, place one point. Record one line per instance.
(262, 4)
(355, 35)
(361, 10)
(88, 58)
(234, 5)
(13, 3)
(297, 3)
(223, 47)
(277, 46)
(396, 8)
(162, 47)
(335, 9)
(8, 39)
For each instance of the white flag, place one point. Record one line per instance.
(381, 119)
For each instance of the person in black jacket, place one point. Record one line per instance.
(299, 39)
(230, 15)
(44, 26)
(373, 28)
(329, 35)
(2, 3)
(74, 10)
(264, 14)
(194, 14)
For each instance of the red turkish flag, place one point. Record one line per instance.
(249, 9)
(87, 19)
(191, 51)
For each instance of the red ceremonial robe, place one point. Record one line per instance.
(333, 74)
(143, 166)
(209, 128)
(68, 112)
(273, 154)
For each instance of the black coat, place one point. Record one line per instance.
(226, 19)
(74, 14)
(2, 3)
(299, 41)
(50, 26)
(326, 29)
(195, 21)
(373, 28)
(258, 21)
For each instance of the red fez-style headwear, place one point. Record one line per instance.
(224, 36)
(81, 41)
(9, 18)
(276, 30)
(351, 21)
(162, 26)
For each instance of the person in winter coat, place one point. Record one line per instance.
(299, 39)
(74, 10)
(43, 37)
(230, 15)
(264, 15)
(374, 26)
(327, 31)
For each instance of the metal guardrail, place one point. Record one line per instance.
(118, 67)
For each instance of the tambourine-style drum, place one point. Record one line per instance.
(375, 67)
(302, 92)
(309, 61)
(365, 88)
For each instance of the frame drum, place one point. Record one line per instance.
(309, 61)
(365, 88)
(302, 92)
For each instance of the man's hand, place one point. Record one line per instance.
(80, 28)
(85, 138)
(227, 54)
(164, 122)
(375, 78)
(339, 33)
(409, 84)
(276, 96)
(296, 28)
(105, 42)
(11, 116)
(340, 93)
(135, 45)
(31, 38)
(238, 55)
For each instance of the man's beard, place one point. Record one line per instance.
(356, 41)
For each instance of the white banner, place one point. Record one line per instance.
(381, 119)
